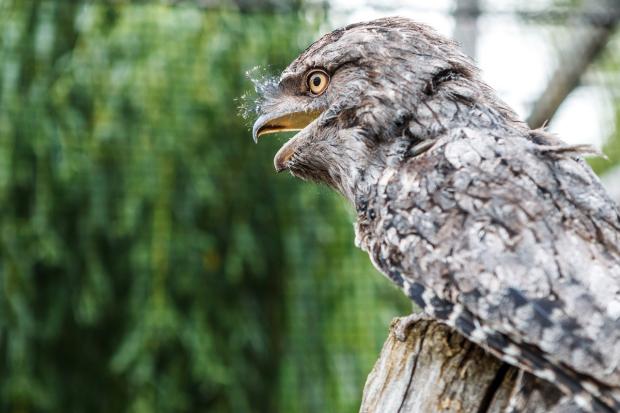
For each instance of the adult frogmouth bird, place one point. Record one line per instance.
(502, 232)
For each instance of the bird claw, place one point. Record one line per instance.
(404, 324)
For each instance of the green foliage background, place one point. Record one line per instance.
(150, 259)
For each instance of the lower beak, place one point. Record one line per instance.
(282, 122)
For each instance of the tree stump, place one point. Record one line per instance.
(432, 368)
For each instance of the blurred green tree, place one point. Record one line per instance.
(150, 260)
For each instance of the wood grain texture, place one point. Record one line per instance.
(435, 369)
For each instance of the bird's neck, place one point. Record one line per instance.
(434, 121)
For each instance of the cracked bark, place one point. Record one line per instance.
(437, 370)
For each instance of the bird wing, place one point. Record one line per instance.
(518, 235)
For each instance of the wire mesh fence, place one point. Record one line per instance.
(150, 259)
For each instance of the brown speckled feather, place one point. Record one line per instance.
(502, 232)
(523, 238)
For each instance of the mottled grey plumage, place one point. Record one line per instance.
(502, 232)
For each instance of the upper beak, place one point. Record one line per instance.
(282, 122)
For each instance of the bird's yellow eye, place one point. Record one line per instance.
(317, 82)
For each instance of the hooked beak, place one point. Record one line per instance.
(283, 122)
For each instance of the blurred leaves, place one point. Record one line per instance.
(150, 259)
(608, 69)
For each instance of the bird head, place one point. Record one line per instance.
(366, 97)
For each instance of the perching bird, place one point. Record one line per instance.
(502, 232)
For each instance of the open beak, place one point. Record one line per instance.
(282, 122)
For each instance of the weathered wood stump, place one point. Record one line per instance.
(432, 368)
